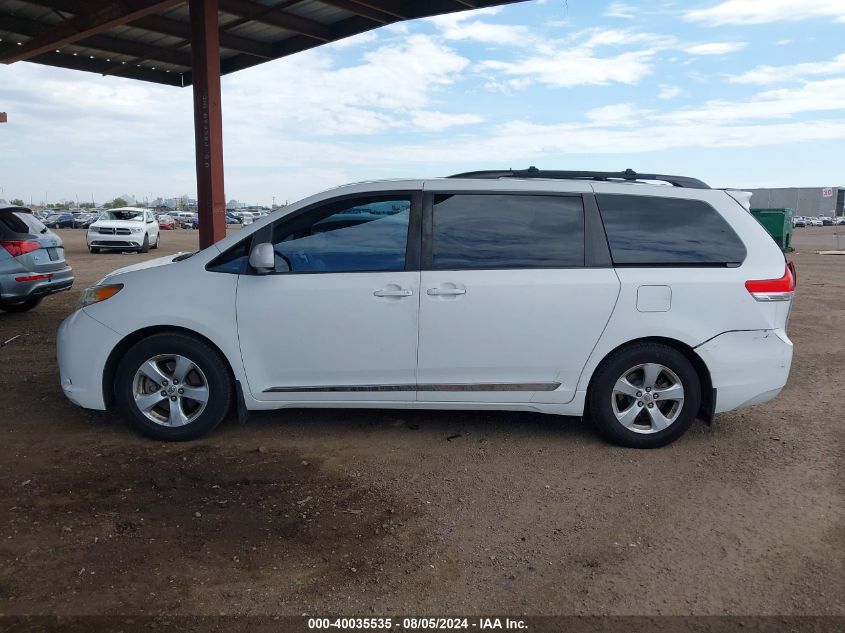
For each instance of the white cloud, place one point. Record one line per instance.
(373, 96)
(466, 26)
(617, 114)
(578, 61)
(715, 48)
(669, 92)
(744, 12)
(367, 37)
(814, 96)
(488, 33)
(450, 19)
(762, 75)
(434, 121)
(620, 10)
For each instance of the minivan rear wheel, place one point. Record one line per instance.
(172, 386)
(645, 395)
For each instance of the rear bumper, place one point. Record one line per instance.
(748, 367)
(58, 281)
(83, 345)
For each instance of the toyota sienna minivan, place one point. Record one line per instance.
(640, 301)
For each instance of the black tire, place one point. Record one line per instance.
(145, 246)
(93, 250)
(208, 360)
(601, 399)
(20, 306)
(158, 239)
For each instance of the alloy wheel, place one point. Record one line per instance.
(647, 398)
(170, 390)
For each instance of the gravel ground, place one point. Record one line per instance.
(378, 512)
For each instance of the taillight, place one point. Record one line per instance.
(774, 289)
(43, 277)
(20, 247)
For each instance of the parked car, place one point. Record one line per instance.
(799, 221)
(84, 220)
(816, 222)
(32, 261)
(826, 220)
(165, 221)
(645, 306)
(245, 216)
(231, 218)
(840, 221)
(184, 219)
(59, 221)
(126, 228)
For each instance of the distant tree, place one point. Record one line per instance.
(86, 205)
(17, 202)
(114, 204)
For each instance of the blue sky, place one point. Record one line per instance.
(736, 92)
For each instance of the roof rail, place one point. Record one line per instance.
(629, 175)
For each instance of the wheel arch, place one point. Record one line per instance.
(130, 339)
(708, 393)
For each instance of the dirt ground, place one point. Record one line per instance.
(378, 512)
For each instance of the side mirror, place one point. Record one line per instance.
(263, 259)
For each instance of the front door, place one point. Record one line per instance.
(508, 310)
(338, 319)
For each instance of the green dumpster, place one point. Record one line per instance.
(778, 222)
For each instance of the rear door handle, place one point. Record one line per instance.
(393, 293)
(445, 292)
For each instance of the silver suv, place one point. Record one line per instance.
(32, 261)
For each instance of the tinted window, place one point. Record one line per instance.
(234, 260)
(645, 230)
(507, 231)
(20, 222)
(35, 225)
(350, 236)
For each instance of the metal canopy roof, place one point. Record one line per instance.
(149, 40)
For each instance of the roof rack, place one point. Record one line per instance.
(629, 175)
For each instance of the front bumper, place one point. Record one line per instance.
(83, 346)
(103, 240)
(747, 367)
(57, 281)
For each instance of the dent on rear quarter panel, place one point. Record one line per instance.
(705, 301)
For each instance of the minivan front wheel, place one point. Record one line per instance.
(172, 386)
(645, 395)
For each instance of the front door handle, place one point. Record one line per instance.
(445, 292)
(401, 292)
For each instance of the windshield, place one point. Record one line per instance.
(131, 214)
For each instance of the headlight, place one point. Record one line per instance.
(95, 294)
(136, 230)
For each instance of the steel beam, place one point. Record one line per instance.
(105, 16)
(276, 17)
(208, 121)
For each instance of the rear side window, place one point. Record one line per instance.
(13, 222)
(645, 230)
(506, 231)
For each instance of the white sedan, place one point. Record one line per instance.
(123, 229)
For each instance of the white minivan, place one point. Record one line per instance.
(642, 306)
